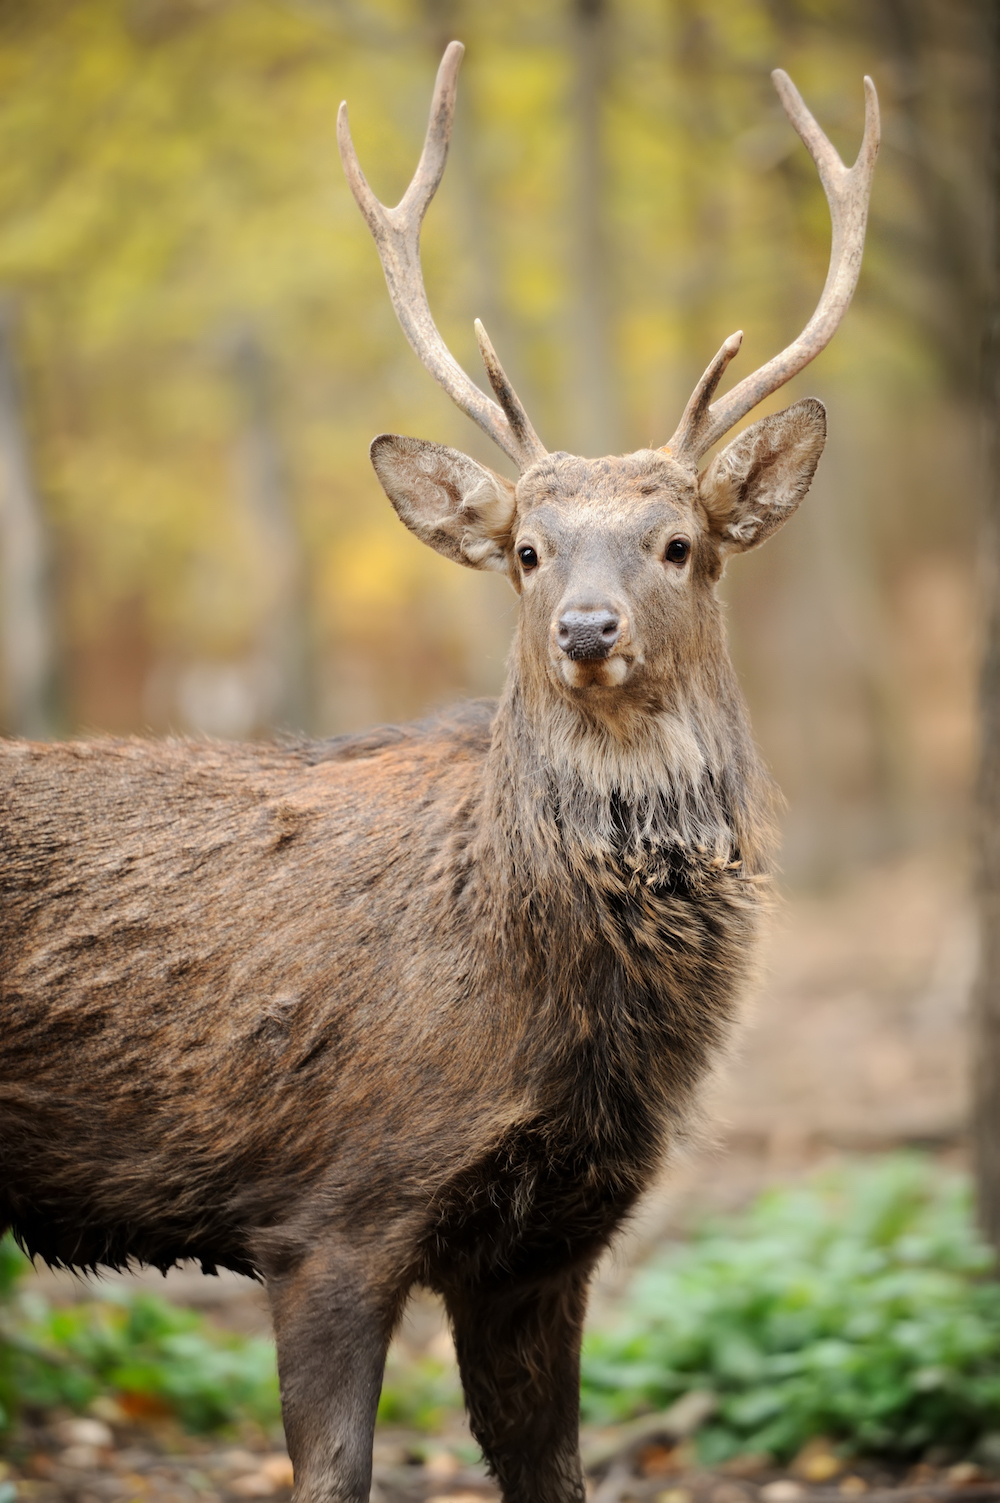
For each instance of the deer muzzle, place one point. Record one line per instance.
(588, 647)
(588, 635)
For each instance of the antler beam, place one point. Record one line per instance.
(848, 191)
(397, 237)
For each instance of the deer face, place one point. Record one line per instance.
(612, 557)
(615, 559)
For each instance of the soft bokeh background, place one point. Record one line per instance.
(204, 348)
(197, 348)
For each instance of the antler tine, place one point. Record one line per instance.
(698, 403)
(848, 190)
(397, 237)
(524, 433)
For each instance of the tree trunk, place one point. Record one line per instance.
(986, 1008)
(25, 609)
(283, 633)
(596, 428)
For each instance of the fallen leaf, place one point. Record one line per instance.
(440, 1465)
(816, 1461)
(747, 1464)
(80, 1458)
(782, 1491)
(658, 1461)
(964, 1474)
(143, 1406)
(279, 1468)
(84, 1432)
(729, 1492)
(256, 1485)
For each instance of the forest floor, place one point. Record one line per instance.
(856, 1043)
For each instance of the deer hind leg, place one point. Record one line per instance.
(519, 1355)
(333, 1318)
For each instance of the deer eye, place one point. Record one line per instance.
(529, 559)
(677, 551)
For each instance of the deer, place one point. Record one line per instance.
(425, 1006)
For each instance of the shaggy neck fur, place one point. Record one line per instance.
(620, 868)
(583, 784)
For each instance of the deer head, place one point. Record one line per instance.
(615, 558)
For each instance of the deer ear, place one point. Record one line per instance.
(759, 479)
(459, 507)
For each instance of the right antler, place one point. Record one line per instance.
(848, 190)
(397, 236)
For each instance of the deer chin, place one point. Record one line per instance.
(593, 673)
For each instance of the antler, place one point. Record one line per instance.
(397, 237)
(847, 191)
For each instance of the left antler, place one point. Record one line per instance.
(397, 236)
(848, 190)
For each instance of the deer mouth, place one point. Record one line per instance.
(594, 673)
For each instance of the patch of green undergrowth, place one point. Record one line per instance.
(156, 1359)
(153, 1357)
(12, 1265)
(858, 1306)
(420, 1395)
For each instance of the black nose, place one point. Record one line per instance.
(588, 634)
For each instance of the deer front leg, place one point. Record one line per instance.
(519, 1356)
(332, 1324)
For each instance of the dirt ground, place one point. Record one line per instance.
(856, 1042)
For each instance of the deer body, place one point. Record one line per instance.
(284, 988)
(463, 915)
(261, 1004)
(424, 1006)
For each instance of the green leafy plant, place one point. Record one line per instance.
(854, 1307)
(857, 1306)
(150, 1355)
(420, 1395)
(12, 1264)
(155, 1358)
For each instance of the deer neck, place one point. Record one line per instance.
(614, 877)
(642, 790)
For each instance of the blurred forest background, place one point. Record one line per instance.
(198, 346)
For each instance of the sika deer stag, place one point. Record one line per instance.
(423, 1006)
